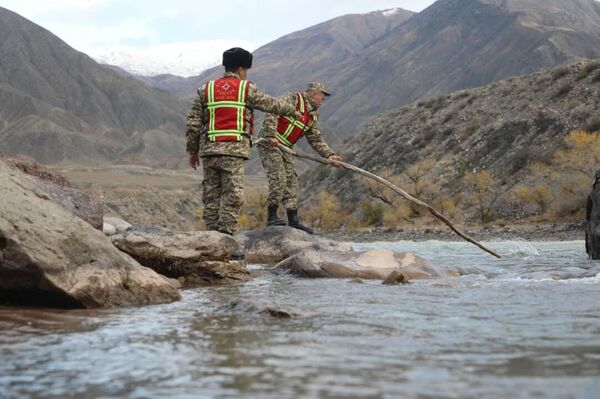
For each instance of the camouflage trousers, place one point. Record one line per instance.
(223, 192)
(282, 177)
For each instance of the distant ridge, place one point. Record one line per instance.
(58, 105)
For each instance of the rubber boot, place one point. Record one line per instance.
(238, 254)
(273, 219)
(294, 222)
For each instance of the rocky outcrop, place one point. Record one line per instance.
(196, 257)
(57, 188)
(49, 257)
(592, 217)
(374, 264)
(274, 244)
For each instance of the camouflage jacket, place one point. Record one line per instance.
(197, 123)
(313, 135)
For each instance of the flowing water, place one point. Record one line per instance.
(525, 326)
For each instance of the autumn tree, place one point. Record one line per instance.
(483, 192)
(326, 212)
(539, 196)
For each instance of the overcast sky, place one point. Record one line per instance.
(90, 24)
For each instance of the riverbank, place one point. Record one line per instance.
(529, 232)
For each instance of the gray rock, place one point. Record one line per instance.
(109, 229)
(119, 224)
(374, 264)
(395, 278)
(244, 307)
(50, 257)
(273, 244)
(200, 257)
(57, 189)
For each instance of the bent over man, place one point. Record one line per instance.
(219, 127)
(279, 165)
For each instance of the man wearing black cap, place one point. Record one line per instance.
(279, 165)
(219, 127)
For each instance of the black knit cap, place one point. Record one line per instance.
(237, 57)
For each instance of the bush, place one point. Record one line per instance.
(560, 72)
(592, 124)
(587, 70)
(372, 213)
(435, 104)
(563, 90)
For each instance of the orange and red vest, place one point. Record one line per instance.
(290, 130)
(229, 116)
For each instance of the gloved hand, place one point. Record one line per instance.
(335, 159)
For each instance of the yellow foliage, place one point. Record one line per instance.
(538, 196)
(326, 212)
(483, 193)
(582, 154)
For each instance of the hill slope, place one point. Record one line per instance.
(501, 128)
(60, 105)
(458, 44)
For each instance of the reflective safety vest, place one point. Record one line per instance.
(229, 116)
(290, 130)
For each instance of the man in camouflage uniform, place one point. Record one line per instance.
(279, 165)
(219, 128)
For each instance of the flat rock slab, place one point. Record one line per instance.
(196, 258)
(51, 258)
(271, 245)
(57, 189)
(374, 264)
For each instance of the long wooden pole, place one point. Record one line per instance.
(386, 183)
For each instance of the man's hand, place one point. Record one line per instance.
(335, 159)
(272, 141)
(193, 160)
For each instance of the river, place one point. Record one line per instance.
(525, 326)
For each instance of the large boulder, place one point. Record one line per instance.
(50, 257)
(196, 257)
(373, 264)
(271, 245)
(592, 216)
(58, 189)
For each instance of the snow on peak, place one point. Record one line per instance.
(390, 11)
(182, 59)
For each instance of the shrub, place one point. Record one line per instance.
(563, 90)
(372, 213)
(560, 72)
(592, 124)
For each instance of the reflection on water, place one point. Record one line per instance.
(527, 325)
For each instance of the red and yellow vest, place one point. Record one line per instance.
(228, 112)
(290, 130)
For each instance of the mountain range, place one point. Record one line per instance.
(59, 105)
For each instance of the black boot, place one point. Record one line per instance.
(273, 219)
(294, 222)
(237, 254)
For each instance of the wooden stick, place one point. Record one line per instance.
(386, 183)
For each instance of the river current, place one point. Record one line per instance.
(525, 326)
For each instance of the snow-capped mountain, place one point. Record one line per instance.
(182, 59)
